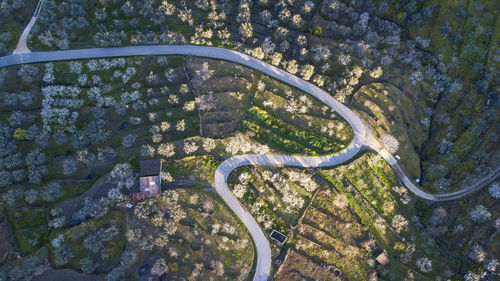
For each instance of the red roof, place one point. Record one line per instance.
(135, 197)
(149, 186)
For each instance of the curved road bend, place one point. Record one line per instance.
(263, 249)
(225, 168)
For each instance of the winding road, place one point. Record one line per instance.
(361, 140)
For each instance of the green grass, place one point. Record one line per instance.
(74, 237)
(14, 24)
(202, 167)
(370, 186)
(392, 111)
(21, 218)
(29, 226)
(286, 137)
(193, 240)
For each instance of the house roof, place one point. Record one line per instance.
(150, 167)
(382, 259)
(149, 186)
(278, 236)
(136, 197)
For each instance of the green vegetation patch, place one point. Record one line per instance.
(96, 244)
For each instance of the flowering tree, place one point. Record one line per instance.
(307, 71)
(246, 30)
(204, 73)
(494, 190)
(190, 146)
(390, 142)
(321, 53)
(166, 149)
(160, 267)
(477, 254)
(208, 144)
(377, 72)
(424, 264)
(480, 214)
(205, 102)
(399, 223)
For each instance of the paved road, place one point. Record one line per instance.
(22, 46)
(263, 249)
(222, 172)
(485, 181)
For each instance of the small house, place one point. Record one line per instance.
(149, 180)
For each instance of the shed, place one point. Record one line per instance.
(149, 180)
(278, 236)
(382, 259)
(150, 167)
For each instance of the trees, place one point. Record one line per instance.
(52, 192)
(31, 195)
(105, 153)
(494, 190)
(128, 140)
(16, 118)
(284, 15)
(122, 176)
(155, 133)
(35, 161)
(180, 126)
(208, 144)
(424, 264)
(399, 223)
(59, 137)
(69, 166)
(205, 102)
(307, 8)
(189, 106)
(280, 33)
(344, 59)
(307, 71)
(390, 142)
(480, 214)
(85, 156)
(239, 190)
(95, 241)
(291, 66)
(257, 53)
(476, 253)
(5, 178)
(63, 255)
(492, 266)
(203, 73)
(319, 80)
(28, 73)
(87, 265)
(147, 151)
(59, 107)
(160, 267)
(190, 146)
(48, 77)
(268, 46)
(246, 30)
(377, 72)
(321, 53)
(276, 58)
(166, 149)
(266, 17)
(438, 222)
